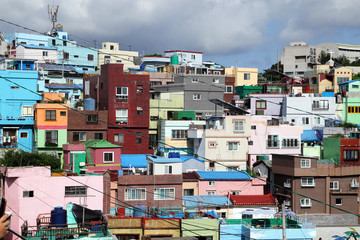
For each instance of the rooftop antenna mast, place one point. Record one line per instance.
(53, 18)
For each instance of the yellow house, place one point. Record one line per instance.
(243, 76)
(111, 53)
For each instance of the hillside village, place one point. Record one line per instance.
(174, 146)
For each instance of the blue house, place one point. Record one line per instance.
(17, 98)
(72, 92)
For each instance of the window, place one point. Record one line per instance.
(290, 143)
(305, 202)
(51, 138)
(64, 43)
(197, 96)
(111, 47)
(233, 146)
(27, 110)
(238, 125)
(53, 42)
(192, 56)
(66, 55)
(122, 94)
(90, 57)
(139, 89)
(119, 138)
(212, 183)
(14, 87)
(212, 164)
(189, 192)
(92, 118)
(353, 109)
(273, 141)
(62, 113)
(168, 169)
(246, 76)
(296, 66)
(23, 135)
(139, 111)
(164, 194)
(253, 127)
(212, 145)
(222, 214)
(27, 194)
(98, 136)
(195, 80)
(211, 193)
(351, 155)
(121, 116)
(135, 194)
(45, 53)
(320, 104)
(75, 191)
(228, 89)
(216, 80)
(334, 185)
(354, 183)
(338, 201)
(305, 163)
(179, 134)
(260, 104)
(108, 157)
(305, 120)
(76, 56)
(79, 136)
(50, 114)
(307, 182)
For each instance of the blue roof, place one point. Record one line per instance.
(347, 82)
(135, 160)
(309, 136)
(187, 158)
(38, 47)
(327, 94)
(224, 175)
(158, 159)
(190, 214)
(205, 200)
(64, 86)
(56, 67)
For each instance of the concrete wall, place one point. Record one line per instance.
(116, 55)
(323, 220)
(31, 53)
(239, 73)
(246, 187)
(200, 227)
(159, 168)
(274, 105)
(193, 165)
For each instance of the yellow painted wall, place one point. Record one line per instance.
(341, 72)
(191, 185)
(238, 73)
(51, 96)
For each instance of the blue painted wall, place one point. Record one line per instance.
(12, 100)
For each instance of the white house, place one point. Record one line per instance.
(161, 165)
(42, 54)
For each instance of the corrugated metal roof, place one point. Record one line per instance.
(190, 175)
(186, 158)
(133, 160)
(224, 175)
(64, 86)
(158, 159)
(309, 136)
(253, 199)
(205, 200)
(55, 67)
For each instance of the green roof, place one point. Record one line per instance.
(99, 143)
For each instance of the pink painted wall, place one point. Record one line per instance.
(67, 148)
(49, 192)
(259, 138)
(97, 157)
(246, 187)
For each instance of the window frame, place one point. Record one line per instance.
(28, 193)
(51, 142)
(89, 56)
(196, 96)
(211, 183)
(305, 202)
(26, 112)
(353, 153)
(123, 95)
(119, 136)
(261, 102)
(227, 87)
(123, 120)
(179, 134)
(157, 195)
(168, 169)
(237, 127)
(142, 195)
(233, 146)
(75, 191)
(247, 76)
(305, 163)
(211, 192)
(306, 183)
(112, 157)
(50, 115)
(92, 118)
(270, 139)
(334, 185)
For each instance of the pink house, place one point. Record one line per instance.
(271, 135)
(31, 191)
(229, 182)
(95, 156)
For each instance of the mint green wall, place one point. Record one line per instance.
(200, 227)
(311, 151)
(332, 149)
(351, 117)
(167, 102)
(40, 139)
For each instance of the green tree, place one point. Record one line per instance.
(153, 55)
(323, 57)
(20, 158)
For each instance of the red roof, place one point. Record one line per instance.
(190, 175)
(252, 199)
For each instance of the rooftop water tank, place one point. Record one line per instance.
(89, 104)
(174, 60)
(58, 217)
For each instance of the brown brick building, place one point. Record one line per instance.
(151, 191)
(321, 180)
(86, 125)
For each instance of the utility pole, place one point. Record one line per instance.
(63, 59)
(283, 221)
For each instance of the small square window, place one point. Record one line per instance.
(338, 201)
(212, 183)
(27, 194)
(23, 135)
(138, 140)
(63, 113)
(108, 157)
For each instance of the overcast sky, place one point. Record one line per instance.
(243, 33)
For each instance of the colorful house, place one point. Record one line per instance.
(229, 183)
(72, 92)
(16, 108)
(111, 53)
(51, 121)
(250, 203)
(95, 156)
(31, 185)
(351, 108)
(223, 143)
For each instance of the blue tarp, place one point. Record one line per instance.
(309, 136)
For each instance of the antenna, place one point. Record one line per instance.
(53, 18)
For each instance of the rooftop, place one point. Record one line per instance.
(205, 200)
(99, 143)
(133, 160)
(158, 159)
(253, 199)
(224, 175)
